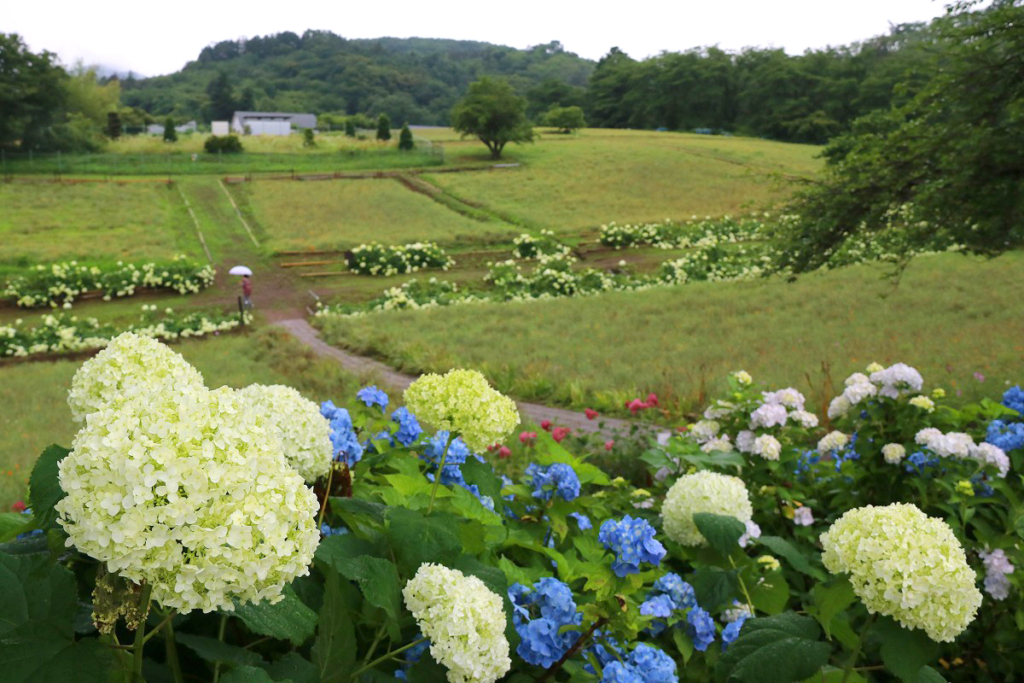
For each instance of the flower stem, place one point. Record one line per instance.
(373, 645)
(440, 471)
(172, 653)
(571, 652)
(220, 636)
(849, 669)
(327, 495)
(384, 658)
(140, 634)
(743, 587)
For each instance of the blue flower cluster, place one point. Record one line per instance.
(919, 462)
(326, 530)
(732, 630)
(557, 478)
(412, 655)
(1014, 399)
(582, 520)
(632, 541)
(806, 461)
(408, 426)
(1006, 435)
(670, 593)
(701, 628)
(372, 396)
(848, 453)
(645, 664)
(458, 451)
(550, 604)
(347, 448)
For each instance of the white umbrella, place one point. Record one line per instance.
(240, 270)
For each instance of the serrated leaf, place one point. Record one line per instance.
(295, 668)
(830, 600)
(722, 532)
(482, 475)
(44, 487)
(771, 594)
(929, 675)
(35, 660)
(213, 650)
(334, 652)
(289, 619)
(794, 557)
(246, 674)
(714, 587)
(416, 539)
(905, 652)
(36, 597)
(364, 517)
(779, 649)
(378, 581)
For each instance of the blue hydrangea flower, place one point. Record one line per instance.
(1006, 435)
(653, 665)
(326, 530)
(918, 462)
(632, 541)
(347, 448)
(981, 487)
(618, 672)
(558, 478)
(550, 603)
(605, 650)
(411, 656)
(732, 630)
(806, 461)
(452, 474)
(408, 426)
(658, 606)
(582, 520)
(372, 396)
(701, 628)
(1014, 399)
(679, 591)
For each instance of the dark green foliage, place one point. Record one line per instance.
(567, 119)
(225, 144)
(220, 95)
(778, 649)
(492, 112)
(944, 167)
(45, 490)
(905, 652)
(170, 135)
(722, 533)
(113, 125)
(289, 619)
(350, 128)
(32, 96)
(405, 141)
(307, 138)
(383, 127)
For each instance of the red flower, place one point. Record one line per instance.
(591, 414)
(609, 444)
(504, 452)
(545, 425)
(652, 400)
(636, 405)
(559, 434)
(18, 506)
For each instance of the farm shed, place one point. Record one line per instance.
(271, 123)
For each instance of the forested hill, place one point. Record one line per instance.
(412, 79)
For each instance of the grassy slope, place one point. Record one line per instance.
(948, 317)
(36, 412)
(346, 213)
(44, 222)
(569, 183)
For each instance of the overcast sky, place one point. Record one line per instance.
(159, 37)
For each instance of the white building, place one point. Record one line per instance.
(270, 123)
(220, 127)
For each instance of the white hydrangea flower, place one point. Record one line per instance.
(803, 516)
(768, 415)
(464, 621)
(839, 406)
(705, 430)
(305, 434)
(462, 401)
(897, 380)
(951, 445)
(893, 453)
(857, 392)
(703, 491)
(743, 377)
(768, 447)
(997, 568)
(858, 378)
(905, 565)
(719, 410)
(806, 419)
(753, 532)
(788, 397)
(924, 403)
(833, 441)
(718, 443)
(131, 365)
(875, 367)
(745, 441)
(188, 491)
(994, 456)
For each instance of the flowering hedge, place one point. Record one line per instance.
(379, 259)
(527, 246)
(61, 283)
(66, 333)
(768, 545)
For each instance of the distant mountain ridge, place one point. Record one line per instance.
(411, 79)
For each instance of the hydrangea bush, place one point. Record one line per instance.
(763, 543)
(385, 260)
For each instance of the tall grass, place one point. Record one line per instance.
(950, 316)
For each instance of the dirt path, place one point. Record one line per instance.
(304, 332)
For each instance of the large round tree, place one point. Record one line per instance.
(492, 112)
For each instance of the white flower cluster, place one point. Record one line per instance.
(304, 433)
(905, 565)
(961, 446)
(461, 401)
(378, 259)
(527, 246)
(130, 366)
(833, 441)
(997, 568)
(703, 491)
(181, 487)
(894, 453)
(464, 621)
(893, 382)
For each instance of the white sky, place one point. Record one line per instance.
(159, 37)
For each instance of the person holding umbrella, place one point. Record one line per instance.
(246, 274)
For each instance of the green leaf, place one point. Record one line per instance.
(416, 539)
(295, 668)
(334, 652)
(830, 600)
(796, 559)
(905, 652)
(44, 488)
(213, 650)
(247, 674)
(722, 532)
(482, 474)
(289, 619)
(364, 517)
(379, 583)
(714, 587)
(770, 594)
(335, 549)
(35, 660)
(831, 674)
(14, 523)
(36, 597)
(929, 675)
(779, 649)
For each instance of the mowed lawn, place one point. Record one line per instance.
(42, 222)
(567, 183)
(34, 394)
(950, 316)
(340, 214)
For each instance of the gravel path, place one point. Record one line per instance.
(307, 334)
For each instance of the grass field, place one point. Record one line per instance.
(572, 182)
(950, 317)
(34, 395)
(346, 213)
(96, 222)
